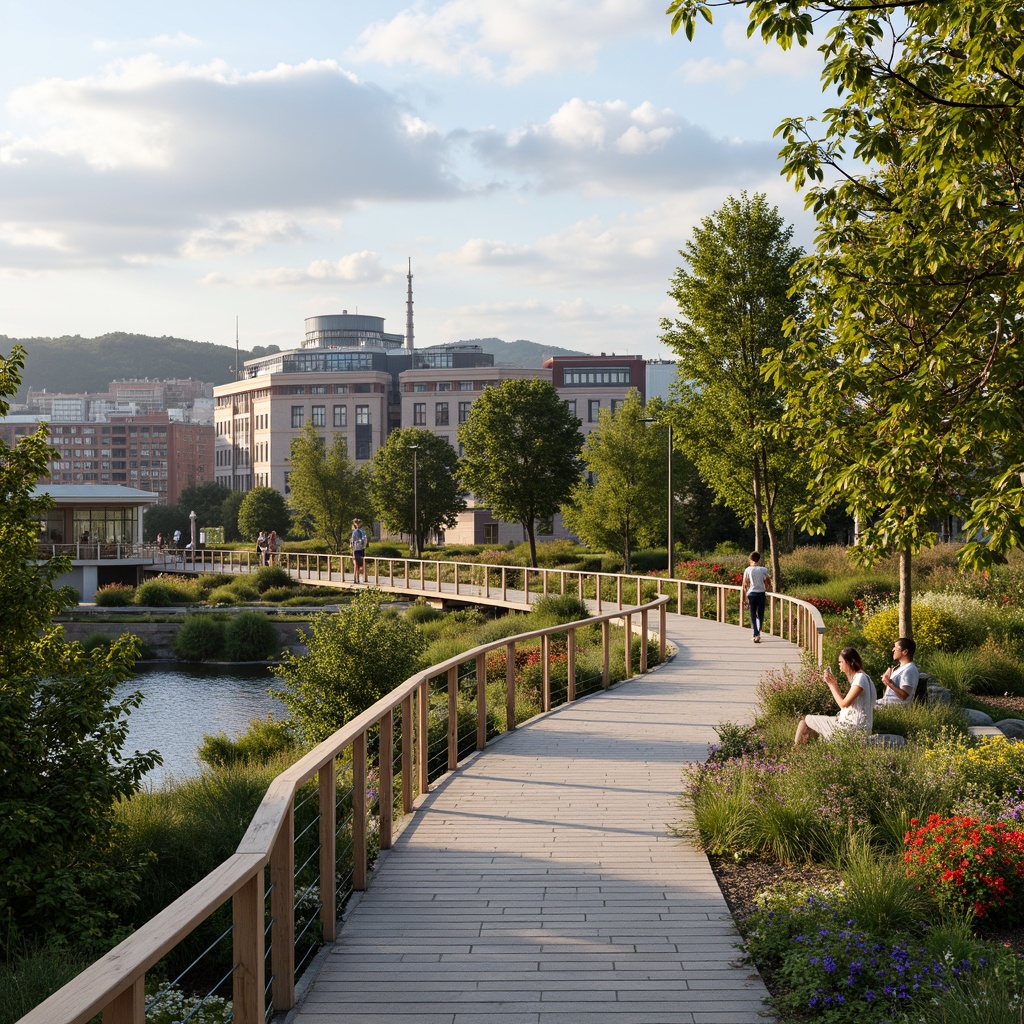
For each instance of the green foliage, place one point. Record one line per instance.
(420, 612)
(558, 608)
(96, 641)
(229, 515)
(250, 636)
(201, 637)
(115, 595)
(262, 508)
(521, 452)
(785, 693)
(923, 723)
(438, 496)
(327, 490)
(734, 296)
(625, 505)
(935, 628)
(165, 591)
(267, 576)
(355, 657)
(264, 740)
(207, 501)
(29, 975)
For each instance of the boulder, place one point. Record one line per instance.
(1012, 728)
(976, 717)
(938, 694)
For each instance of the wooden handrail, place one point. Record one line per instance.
(114, 983)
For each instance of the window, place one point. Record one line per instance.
(444, 385)
(465, 385)
(298, 415)
(419, 386)
(594, 410)
(441, 414)
(341, 415)
(419, 414)
(319, 416)
(616, 405)
(572, 406)
(464, 411)
(362, 415)
(490, 533)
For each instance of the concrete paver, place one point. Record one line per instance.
(541, 884)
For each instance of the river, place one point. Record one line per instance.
(183, 702)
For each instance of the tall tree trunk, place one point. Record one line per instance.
(758, 506)
(530, 525)
(906, 614)
(627, 552)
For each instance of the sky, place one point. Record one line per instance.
(168, 167)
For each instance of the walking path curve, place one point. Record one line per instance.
(540, 883)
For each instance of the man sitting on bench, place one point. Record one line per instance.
(901, 682)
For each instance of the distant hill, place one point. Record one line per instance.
(74, 364)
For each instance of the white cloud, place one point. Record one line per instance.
(612, 147)
(243, 234)
(160, 42)
(508, 41)
(356, 268)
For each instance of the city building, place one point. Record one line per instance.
(592, 383)
(149, 452)
(186, 400)
(660, 375)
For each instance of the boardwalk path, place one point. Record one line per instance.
(540, 884)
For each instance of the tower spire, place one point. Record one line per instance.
(408, 310)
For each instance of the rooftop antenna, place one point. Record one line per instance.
(236, 346)
(408, 310)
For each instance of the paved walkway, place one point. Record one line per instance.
(540, 884)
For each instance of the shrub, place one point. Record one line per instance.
(960, 672)
(278, 594)
(115, 595)
(379, 549)
(200, 637)
(783, 693)
(934, 628)
(556, 609)
(223, 596)
(165, 591)
(268, 576)
(973, 867)
(421, 612)
(251, 636)
(920, 722)
(96, 641)
(262, 741)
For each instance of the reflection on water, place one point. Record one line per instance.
(182, 702)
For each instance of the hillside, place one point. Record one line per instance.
(76, 364)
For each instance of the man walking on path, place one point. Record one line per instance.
(757, 581)
(358, 544)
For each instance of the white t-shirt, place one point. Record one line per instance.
(906, 677)
(754, 577)
(861, 713)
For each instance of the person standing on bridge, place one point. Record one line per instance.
(757, 581)
(358, 544)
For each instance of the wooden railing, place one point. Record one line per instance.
(505, 585)
(395, 730)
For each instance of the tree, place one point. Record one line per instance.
(326, 488)
(262, 508)
(229, 514)
(438, 497)
(62, 769)
(734, 297)
(356, 656)
(521, 452)
(911, 361)
(206, 500)
(625, 506)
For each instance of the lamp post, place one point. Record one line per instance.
(192, 521)
(415, 503)
(671, 552)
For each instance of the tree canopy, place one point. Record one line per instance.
(326, 489)
(262, 508)
(734, 297)
(521, 452)
(438, 496)
(626, 504)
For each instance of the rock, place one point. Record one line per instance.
(1012, 728)
(938, 694)
(886, 739)
(976, 717)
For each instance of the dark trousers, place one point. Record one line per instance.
(756, 601)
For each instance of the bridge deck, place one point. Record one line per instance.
(540, 884)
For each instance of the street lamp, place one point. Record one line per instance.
(415, 503)
(192, 520)
(671, 552)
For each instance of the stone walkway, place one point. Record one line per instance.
(540, 884)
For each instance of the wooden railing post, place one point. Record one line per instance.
(481, 701)
(545, 667)
(570, 664)
(627, 624)
(359, 813)
(453, 718)
(248, 984)
(510, 687)
(129, 1007)
(662, 623)
(327, 786)
(407, 742)
(282, 915)
(386, 773)
(618, 591)
(643, 642)
(504, 583)
(606, 630)
(422, 746)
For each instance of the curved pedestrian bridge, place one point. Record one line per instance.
(541, 884)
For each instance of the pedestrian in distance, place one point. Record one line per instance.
(357, 541)
(757, 581)
(261, 547)
(271, 546)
